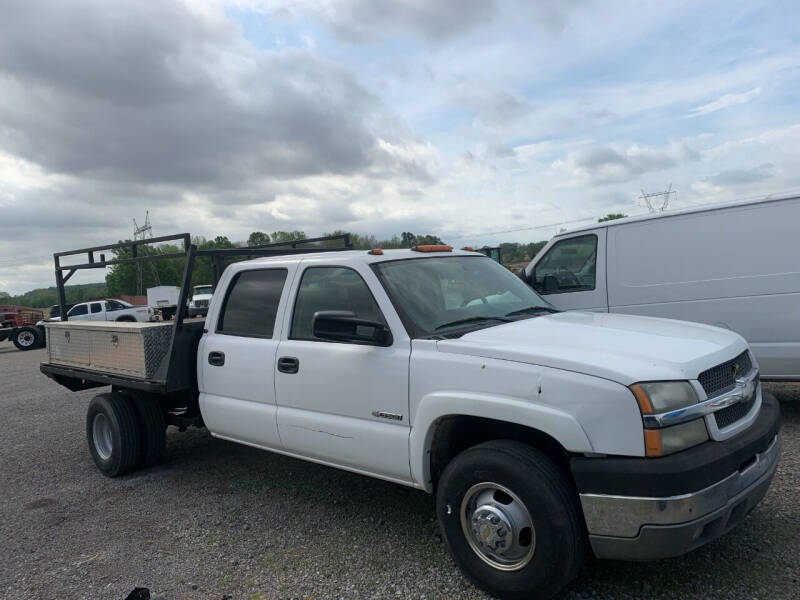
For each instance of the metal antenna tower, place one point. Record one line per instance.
(143, 232)
(665, 197)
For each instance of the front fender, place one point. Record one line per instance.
(560, 425)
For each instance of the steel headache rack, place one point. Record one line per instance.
(157, 357)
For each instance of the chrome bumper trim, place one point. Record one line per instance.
(624, 516)
(745, 388)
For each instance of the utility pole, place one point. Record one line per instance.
(143, 232)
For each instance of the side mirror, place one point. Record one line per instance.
(344, 326)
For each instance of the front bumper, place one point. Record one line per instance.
(661, 512)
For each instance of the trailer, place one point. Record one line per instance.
(19, 325)
(152, 364)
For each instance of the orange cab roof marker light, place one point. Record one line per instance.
(376, 252)
(432, 248)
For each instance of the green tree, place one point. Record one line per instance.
(258, 238)
(611, 217)
(280, 237)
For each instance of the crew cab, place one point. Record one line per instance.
(107, 310)
(540, 432)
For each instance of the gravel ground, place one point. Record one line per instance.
(219, 520)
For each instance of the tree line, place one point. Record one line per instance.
(123, 279)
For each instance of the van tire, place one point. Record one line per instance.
(545, 493)
(27, 338)
(153, 428)
(113, 434)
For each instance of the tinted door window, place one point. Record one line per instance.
(76, 311)
(569, 266)
(252, 303)
(96, 307)
(331, 288)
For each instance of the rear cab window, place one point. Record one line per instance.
(569, 266)
(251, 303)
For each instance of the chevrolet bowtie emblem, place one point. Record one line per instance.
(736, 369)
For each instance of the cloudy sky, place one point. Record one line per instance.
(465, 118)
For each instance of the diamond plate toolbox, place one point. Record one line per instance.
(130, 349)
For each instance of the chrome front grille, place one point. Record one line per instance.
(719, 379)
(730, 415)
(201, 303)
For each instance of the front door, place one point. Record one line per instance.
(571, 274)
(343, 403)
(236, 357)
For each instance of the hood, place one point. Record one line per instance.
(623, 348)
(201, 297)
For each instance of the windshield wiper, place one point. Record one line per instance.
(532, 309)
(472, 320)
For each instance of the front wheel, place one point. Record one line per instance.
(510, 519)
(27, 338)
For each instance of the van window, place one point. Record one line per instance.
(331, 288)
(251, 303)
(569, 266)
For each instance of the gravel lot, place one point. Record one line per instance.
(219, 520)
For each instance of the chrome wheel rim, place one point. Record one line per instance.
(101, 436)
(25, 338)
(498, 526)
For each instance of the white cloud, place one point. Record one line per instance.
(725, 101)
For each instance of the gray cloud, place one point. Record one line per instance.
(366, 21)
(159, 94)
(743, 176)
(606, 165)
(360, 21)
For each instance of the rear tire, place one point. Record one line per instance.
(27, 338)
(153, 430)
(113, 433)
(510, 519)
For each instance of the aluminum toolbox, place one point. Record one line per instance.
(130, 349)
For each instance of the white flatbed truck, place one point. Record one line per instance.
(543, 434)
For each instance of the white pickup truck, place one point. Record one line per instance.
(541, 433)
(107, 310)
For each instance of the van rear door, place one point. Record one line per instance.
(571, 271)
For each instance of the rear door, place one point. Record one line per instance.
(237, 354)
(96, 312)
(571, 273)
(344, 403)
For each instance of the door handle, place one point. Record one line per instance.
(216, 359)
(288, 364)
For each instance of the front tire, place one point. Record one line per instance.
(27, 338)
(113, 433)
(510, 519)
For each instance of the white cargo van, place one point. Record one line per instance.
(736, 266)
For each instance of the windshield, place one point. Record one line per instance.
(437, 296)
(202, 289)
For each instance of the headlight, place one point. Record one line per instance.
(665, 396)
(191, 304)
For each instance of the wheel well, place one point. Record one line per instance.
(456, 433)
(126, 318)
